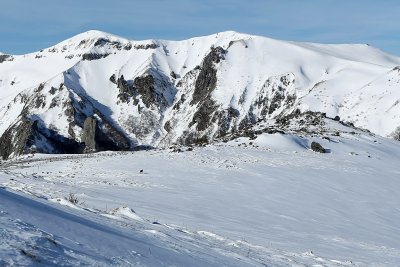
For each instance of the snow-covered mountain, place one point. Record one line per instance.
(97, 91)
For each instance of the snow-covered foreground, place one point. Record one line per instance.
(271, 202)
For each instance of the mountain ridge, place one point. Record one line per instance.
(158, 93)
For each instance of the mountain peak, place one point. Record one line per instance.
(158, 93)
(92, 34)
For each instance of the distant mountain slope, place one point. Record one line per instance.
(97, 91)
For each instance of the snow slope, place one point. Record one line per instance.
(37, 233)
(264, 202)
(177, 91)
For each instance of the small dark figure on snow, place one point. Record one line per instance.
(141, 171)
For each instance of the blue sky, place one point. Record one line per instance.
(29, 25)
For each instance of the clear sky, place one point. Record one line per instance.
(29, 25)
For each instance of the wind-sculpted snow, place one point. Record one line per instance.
(156, 93)
(270, 201)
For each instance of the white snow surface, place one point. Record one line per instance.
(264, 202)
(357, 82)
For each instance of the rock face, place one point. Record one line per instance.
(93, 56)
(145, 87)
(4, 58)
(27, 136)
(89, 134)
(126, 91)
(18, 138)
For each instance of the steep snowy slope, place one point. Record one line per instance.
(383, 97)
(97, 91)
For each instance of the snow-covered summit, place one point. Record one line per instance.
(158, 92)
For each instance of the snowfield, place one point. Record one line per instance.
(264, 202)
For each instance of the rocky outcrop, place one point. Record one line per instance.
(205, 84)
(275, 93)
(317, 147)
(227, 121)
(93, 56)
(207, 79)
(17, 139)
(145, 87)
(203, 116)
(126, 90)
(113, 79)
(4, 58)
(108, 137)
(28, 136)
(99, 135)
(89, 134)
(396, 134)
(146, 46)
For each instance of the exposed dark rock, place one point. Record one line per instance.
(28, 136)
(100, 135)
(207, 79)
(204, 85)
(93, 56)
(40, 101)
(396, 134)
(203, 115)
(317, 147)
(247, 121)
(110, 137)
(290, 100)
(146, 46)
(53, 90)
(4, 58)
(226, 120)
(69, 109)
(148, 87)
(275, 103)
(39, 88)
(307, 119)
(173, 75)
(128, 47)
(167, 126)
(113, 79)
(126, 90)
(180, 102)
(71, 129)
(14, 140)
(145, 87)
(103, 41)
(89, 134)
(192, 138)
(54, 103)
(337, 118)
